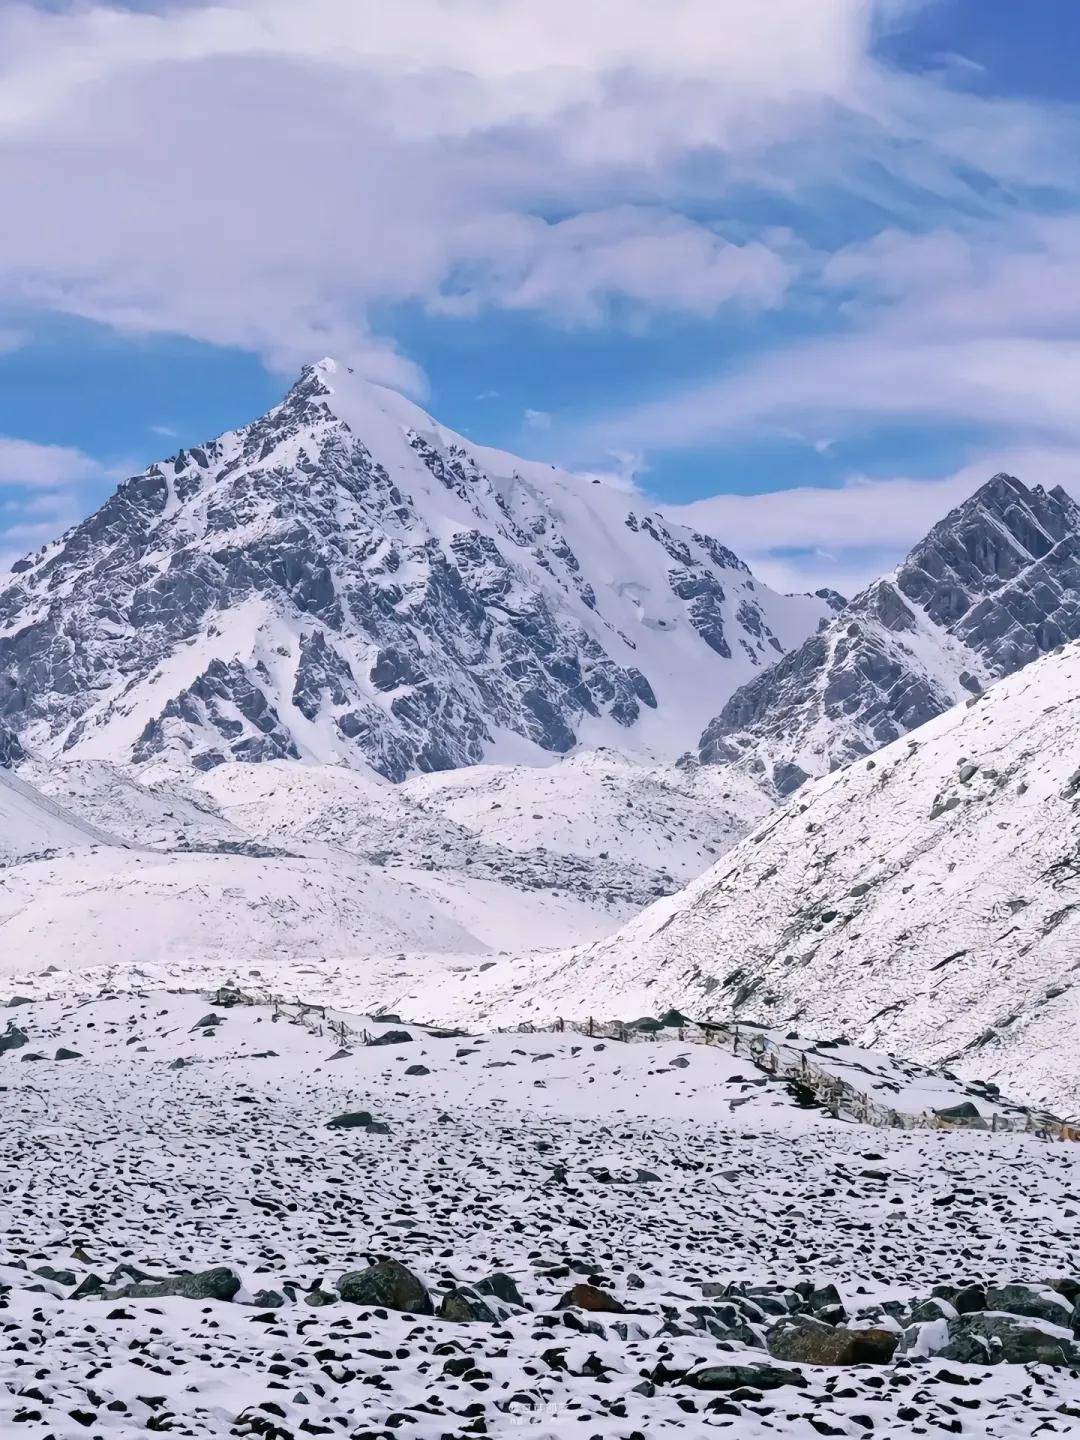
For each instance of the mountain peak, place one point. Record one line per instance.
(345, 580)
(991, 587)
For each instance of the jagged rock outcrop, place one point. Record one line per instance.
(11, 750)
(992, 587)
(346, 581)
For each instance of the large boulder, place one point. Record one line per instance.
(13, 1038)
(1037, 1302)
(503, 1287)
(388, 1285)
(465, 1304)
(804, 1340)
(492, 1299)
(220, 1283)
(590, 1297)
(993, 1338)
(734, 1377)
(964, 1298)
(358, 1120)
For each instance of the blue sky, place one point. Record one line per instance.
(811, 268)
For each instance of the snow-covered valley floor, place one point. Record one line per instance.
(657, 1174)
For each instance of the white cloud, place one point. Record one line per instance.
(803, 538)
(26, 464)
(268, 174)
(981, 329)
(650, 259)
(263, 173)
(43, 490)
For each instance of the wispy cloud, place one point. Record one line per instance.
(981, 328)
(26, 464)
(809, 536)
(43, 490)
(652, 260)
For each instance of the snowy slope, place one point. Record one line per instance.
(550, 855)
(991, 587)
(601, 806)
(114, 798)
(347, 581)
(31, 825)
(690, 1190)
(130, 909)
(926, 901)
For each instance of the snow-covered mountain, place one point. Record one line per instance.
(347, 581)
(991, 587)
(926, 901)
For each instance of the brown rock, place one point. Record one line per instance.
(812, 1342)
(588, 1297)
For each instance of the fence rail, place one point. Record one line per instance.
(747, 1041)
(832, 1091)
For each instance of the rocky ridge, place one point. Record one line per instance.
(993, 586)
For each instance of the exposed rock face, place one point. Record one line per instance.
(220, 1283)
(993, 586)
(11, 751)
(346, 581)
(989, 1339)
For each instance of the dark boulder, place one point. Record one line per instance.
(1037, 1302)
(13, 1038)
(503, 1287)
(220, 1283)
(358, 1120)
(388, 1285)
(465, 1304)
(392, 1037)
(734, 1377)
(990, 1339)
